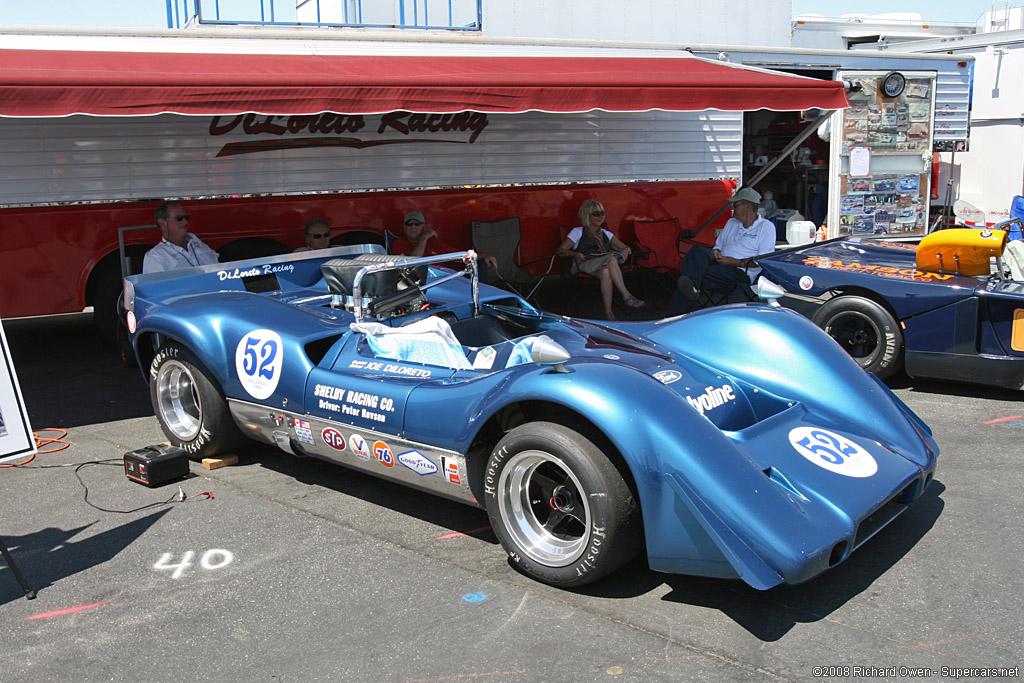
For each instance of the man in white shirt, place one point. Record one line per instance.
(179, 248)
(745, 236)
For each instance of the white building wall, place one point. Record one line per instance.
(736, 22)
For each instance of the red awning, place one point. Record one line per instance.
(59, 83)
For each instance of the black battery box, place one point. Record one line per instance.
(156, 465)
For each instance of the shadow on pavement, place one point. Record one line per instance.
(49, 555)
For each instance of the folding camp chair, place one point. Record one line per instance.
(709, 295)
(656, 250)
(501, 240)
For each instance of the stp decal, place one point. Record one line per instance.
(382, 452)
(258, 360)
(359, 447)
(833, 452)
(333, 438)
(417, 462)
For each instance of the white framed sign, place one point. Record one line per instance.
(16, 440)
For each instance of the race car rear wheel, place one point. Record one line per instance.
(559, 505)
(865, 330)
(189, 404)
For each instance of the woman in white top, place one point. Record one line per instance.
(597, 252)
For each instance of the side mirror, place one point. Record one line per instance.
(768, 291)
(548, 351)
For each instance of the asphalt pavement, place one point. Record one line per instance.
(286, 569)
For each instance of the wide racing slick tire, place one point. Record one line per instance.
(190, 405)
(865, 330)
(559, 505)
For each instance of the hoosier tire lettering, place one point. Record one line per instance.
(189, 404)
(560, 506)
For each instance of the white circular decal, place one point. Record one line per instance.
(806, 282)
(833, 452)
(258, 361)
(667, 376)
(132, 322)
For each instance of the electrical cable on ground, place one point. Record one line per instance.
(179, 496)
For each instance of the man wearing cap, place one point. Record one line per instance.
(745, 236)
(419, 239)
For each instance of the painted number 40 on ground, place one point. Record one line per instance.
(216, 558)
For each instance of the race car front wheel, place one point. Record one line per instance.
(189, 404)
(865, 330)
(559, 505)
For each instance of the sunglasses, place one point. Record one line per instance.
(413, 223)
(597, 213)
(181, 219)
(320, 235)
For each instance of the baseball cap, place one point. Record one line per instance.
(414, 216)
(747, 194)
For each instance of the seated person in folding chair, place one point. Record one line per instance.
(317, 234)
(745, 236)
(597, 252)
(419, 239)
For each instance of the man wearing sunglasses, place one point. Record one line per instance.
(179, 248)
(317, 233)
(419, 239)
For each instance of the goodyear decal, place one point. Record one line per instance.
(912, 274)
(417, 462)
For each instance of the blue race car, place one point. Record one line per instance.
(737, 442)
(940, 309)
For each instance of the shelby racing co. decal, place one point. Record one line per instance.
(668, 376)
(417, 462)
(258, 360)
(712, 398)
(833, 452)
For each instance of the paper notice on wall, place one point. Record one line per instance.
(16, 440)
(860, 162)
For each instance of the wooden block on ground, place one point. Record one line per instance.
(214, 463)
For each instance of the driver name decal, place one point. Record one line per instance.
(833, 452)
(258, 360)
(357, 404)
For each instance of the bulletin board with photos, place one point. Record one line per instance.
(883, 203)
(887, 200)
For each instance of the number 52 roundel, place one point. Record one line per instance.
(258, 361)
(833, 452)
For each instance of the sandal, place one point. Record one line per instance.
(610, 316)
(633, 302)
